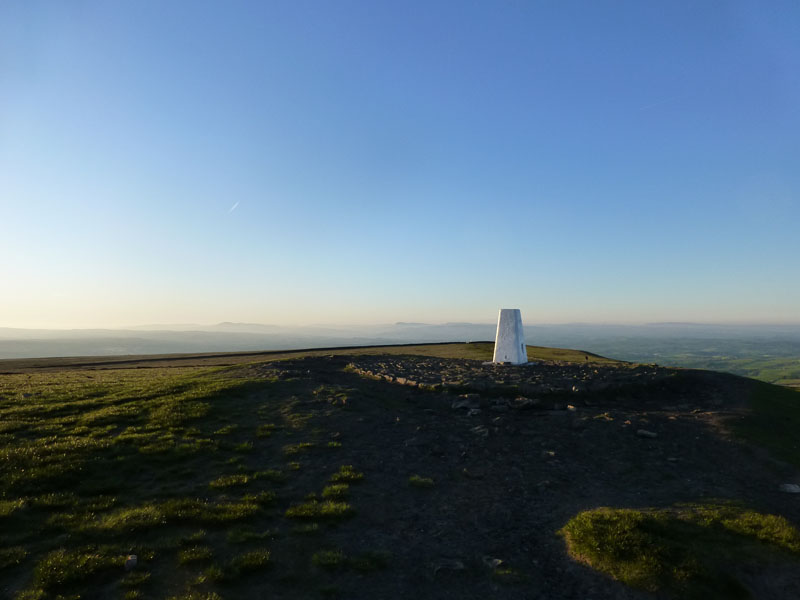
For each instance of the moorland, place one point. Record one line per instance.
(386, 471)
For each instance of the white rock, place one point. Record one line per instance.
(646, 434)
(131, 561)
(790, 488)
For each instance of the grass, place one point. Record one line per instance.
(62, 567)
(772, 421)
(251, 561)
(97, 465)
(266, 430)
(315, 510)
(336, 491)
(227, 481)
(346, 474)
(292, 449)
(12, 556)
(420, 482)
(686, 551)
(195, 554)
(240, 535)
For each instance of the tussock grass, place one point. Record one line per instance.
(273, 475)
(227, 481)
(346, 474)
(195, 595)
(420, 482)
(336, 491)
(313, 509)
(251, 561)
(292, 449)
(226, 430)
(194, 554)
(63, 567)
(240, 535)
(135, 578)
(687, 550)
(12, 556)
(155, 514)
(244, 447)
(261, 498)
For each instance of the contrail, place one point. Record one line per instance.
(233, 208)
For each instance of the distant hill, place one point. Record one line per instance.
(767, 352)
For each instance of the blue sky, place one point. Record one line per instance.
(360, 162)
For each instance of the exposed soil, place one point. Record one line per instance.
(514, 453)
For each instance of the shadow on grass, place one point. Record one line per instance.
(685, 551)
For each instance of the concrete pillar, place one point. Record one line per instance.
(509, 344)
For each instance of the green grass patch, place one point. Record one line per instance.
(418, 481)
(227, 430)
(195, 554)
(292, 449)
(135, 578)
(262, 498)
(62, 567)
(9, 506)
(244, 447)
(336, 491)
(195, 595)
(690, 551)
(240, 535)
(272, 475)
(313, 509)
(227, 481)
(346, 474)
(180, 510)
(12, 556)
(251, 561)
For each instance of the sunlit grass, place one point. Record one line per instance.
(688, 550)
(227, 481)
(346, 474)
(63, 567)
(250, 561)
(314, 509)
(336, 491)
(292, 449)
(194, 554)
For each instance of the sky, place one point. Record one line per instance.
(305, 162)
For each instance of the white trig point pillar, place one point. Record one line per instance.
(509, 344)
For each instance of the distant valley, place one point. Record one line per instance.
(767, 352)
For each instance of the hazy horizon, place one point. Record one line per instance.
(362, 325)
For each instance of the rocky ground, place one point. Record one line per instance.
(514, 452)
